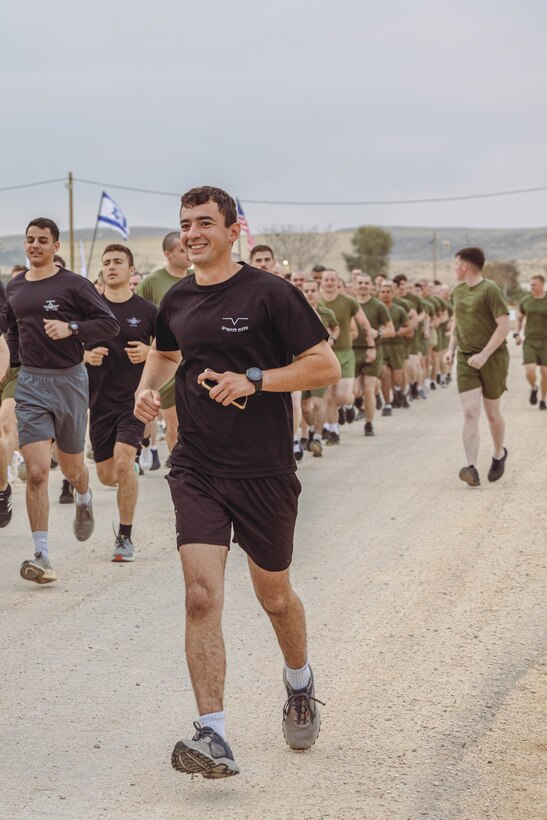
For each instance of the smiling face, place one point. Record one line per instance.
(40, 247)
(116, 269)
(205, 237)
(297, 279)
(363, 287)
(311, 292)
(329, 283)
(386, 293)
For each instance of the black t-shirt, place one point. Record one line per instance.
(3, 310)
(113, 383)
(252, 319)
(65, 296)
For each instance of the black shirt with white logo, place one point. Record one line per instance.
(113, 383)
(252, 319)
(65, 296)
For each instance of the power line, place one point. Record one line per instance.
(415, 201)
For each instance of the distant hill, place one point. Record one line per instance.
(412, 249)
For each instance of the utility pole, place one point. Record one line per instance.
(71, 218)
(434, 249)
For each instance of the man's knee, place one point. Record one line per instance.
(274, 602)
(201, 599)
(37, 473)
(123, 463)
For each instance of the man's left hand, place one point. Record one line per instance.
(56, 329)
(477, 361)
(230, 386)
(370, 355)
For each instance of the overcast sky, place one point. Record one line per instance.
(342, 100)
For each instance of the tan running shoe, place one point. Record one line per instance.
(84, 523)
(38, 569)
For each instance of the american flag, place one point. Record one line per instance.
(242, 219)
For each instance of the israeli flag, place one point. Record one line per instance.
(112, 215)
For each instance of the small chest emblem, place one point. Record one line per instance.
(234, 326)
(51, 304)
(134, 321)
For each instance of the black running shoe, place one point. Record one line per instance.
(470, 475)
(414, 390)
(397, 398)
(334, 438)
(5, 506)
(432, 386)
(386, 411)
(67, 493)
(156, 463)
(378, 401)
(542, 405)
(534, 395)
(207, 754)
(350, 414)
(405, 403)
(497, 468)
(341, 416)
(298, 451)
(369, 430)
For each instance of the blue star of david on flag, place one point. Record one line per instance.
(112, 215)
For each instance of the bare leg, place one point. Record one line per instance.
(319, 413)
(73, 468)
(371, 385)
(171, 426)
(8, 438)
(119, 470)
(386, 383)
(471, 405)
(285, 610)
(203, 567)
(331, 404)
(543, 371)
(296, 399)
(530, 372)
(496, 421)
(37, 461)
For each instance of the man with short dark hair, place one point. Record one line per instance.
(532, 316)
(262, 257)
(51, 313)
(231, 333)
(479, 332)
(114, 368)
(393, 350)
(154, 287)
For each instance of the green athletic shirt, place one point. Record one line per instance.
(154, 286)
(535, 311)
(405, 303)
(344, 308)
(415, 301)
(328, 317)
(476, 309)
(398, 316)
(377, 314)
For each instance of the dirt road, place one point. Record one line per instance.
(427, 612)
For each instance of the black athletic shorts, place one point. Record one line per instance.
(262, 512)
(106, 427)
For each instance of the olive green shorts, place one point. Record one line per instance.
(491, 378)
(318, 393)
(416, 343)
(167, 395)
(346, 359)
(394, 356)
(534, 351)
(364, 368)
(7, 387)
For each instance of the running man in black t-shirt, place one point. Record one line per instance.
(114, 368)
(234, 330)
(51, 312)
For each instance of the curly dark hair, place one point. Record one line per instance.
(206, 193)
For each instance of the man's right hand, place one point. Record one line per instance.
(95, 356)
(147, 405)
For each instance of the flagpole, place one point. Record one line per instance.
(71, 219)
(94, 236)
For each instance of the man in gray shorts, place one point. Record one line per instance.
(51, 312)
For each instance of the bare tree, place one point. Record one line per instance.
(301, 248)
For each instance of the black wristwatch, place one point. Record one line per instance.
(74, 328)
(254, 374)
(516, 334)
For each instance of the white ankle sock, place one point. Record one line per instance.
(215, 721)
(40, 543)
(298, 678)
(83, 498)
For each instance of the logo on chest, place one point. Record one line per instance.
(134, 322)
(235, 326)
(51, 304)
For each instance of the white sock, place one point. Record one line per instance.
(153, 449)
(335, 428)
(83, 498)
(298, 678)
(40, 543)
(348, 406)
(215, 721)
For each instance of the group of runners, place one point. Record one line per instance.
(248, 371)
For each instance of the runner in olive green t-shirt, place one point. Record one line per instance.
(345, 308)
(416, 372)
(479, 332)
(393, 350)
(367, 376)
(532, 314)
(154, 287)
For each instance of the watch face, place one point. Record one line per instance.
(254, 374)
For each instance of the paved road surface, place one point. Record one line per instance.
(426, 606)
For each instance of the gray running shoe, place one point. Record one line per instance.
(301, 719)
(123, 549)
(38, 569)
(84, 523)
(470, 475)
(207, 754)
